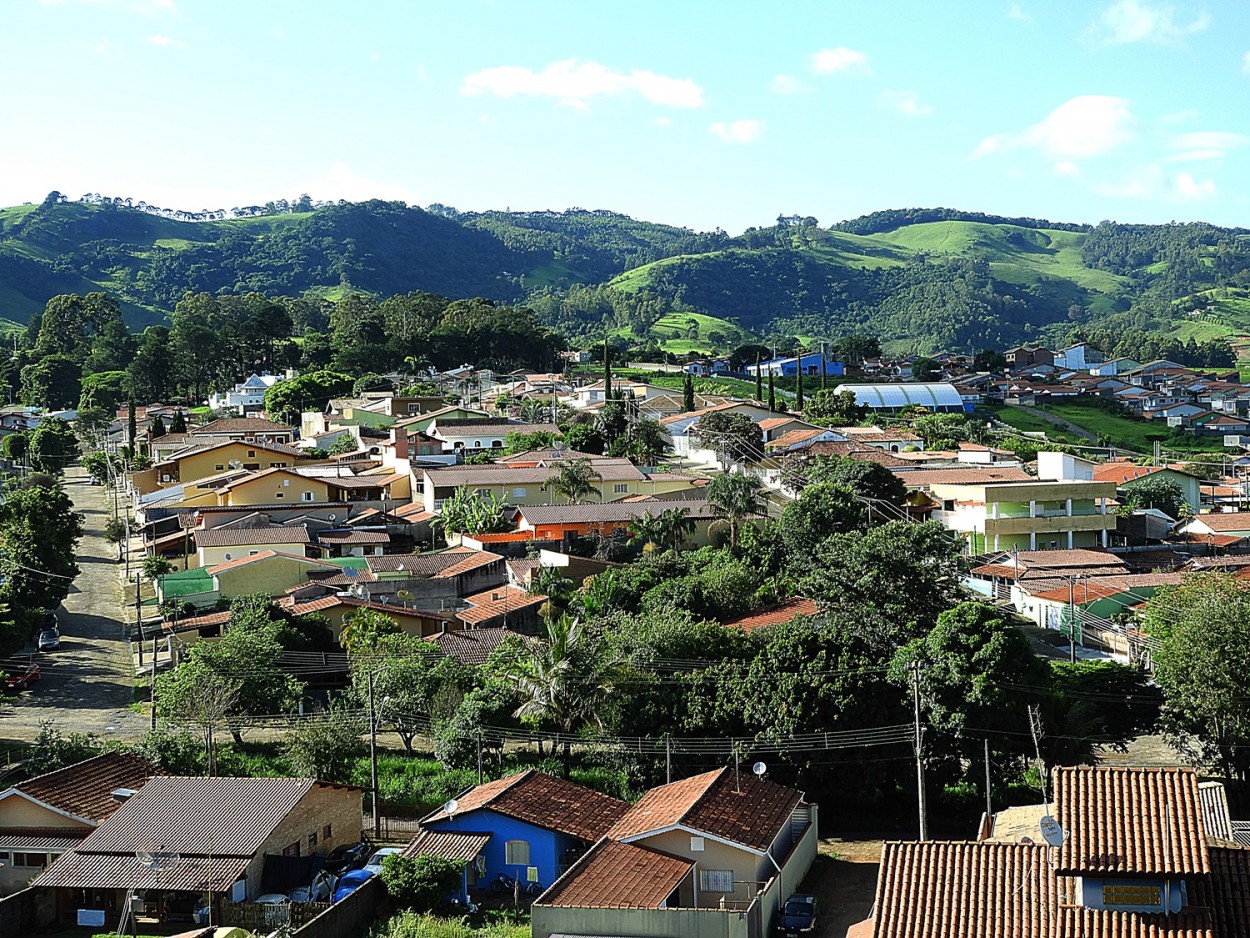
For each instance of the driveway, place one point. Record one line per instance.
(87, 683)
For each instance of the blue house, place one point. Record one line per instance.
(538, 825)
(789, 367)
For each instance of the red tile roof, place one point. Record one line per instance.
(498, 602)
(1096, 923)
(614, 875)
(738, 807)
(1224, 522)
(776, 614)
(1130, 821)
(544, 801)
(247, 537)
(939, 889)
(85, 789)
(470, 646)
(959, 475)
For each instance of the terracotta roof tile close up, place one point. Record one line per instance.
(85, 788)
(1130, 821)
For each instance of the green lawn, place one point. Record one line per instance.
(682, 333)
(1124, 432)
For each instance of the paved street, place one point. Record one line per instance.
(86, 684)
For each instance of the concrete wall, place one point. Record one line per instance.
(203, 465)
(280, 488)
(645, 923)
(346, 917)
(211, 556)
(714, 856)
(271, 577)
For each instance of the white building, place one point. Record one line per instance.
(247, 397)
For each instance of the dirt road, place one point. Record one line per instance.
(86, 684)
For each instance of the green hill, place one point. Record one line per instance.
(918, 279)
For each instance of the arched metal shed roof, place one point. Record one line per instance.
(938, 396)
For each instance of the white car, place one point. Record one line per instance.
(321, 890)
(374, 863)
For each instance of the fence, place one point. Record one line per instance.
(26, 913)
(347, 915)
(259, 917)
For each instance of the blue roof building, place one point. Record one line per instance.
(789, 367)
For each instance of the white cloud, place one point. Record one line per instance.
(739, 131)
(574, 83)
(166, 41)
(1140, 21)
(1152, 182)
(662, 122)
(1087, 125)
(1245, 64)
(840, 59)
(907, 103)
(340, 181)
(1018, 13)
(1186, 187)
(788, 84)
(1065, 168)
(1204, 145)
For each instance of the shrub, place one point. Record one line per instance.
(420, 883)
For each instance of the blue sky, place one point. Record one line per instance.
(703, 114)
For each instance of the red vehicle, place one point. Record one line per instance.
(21, 678)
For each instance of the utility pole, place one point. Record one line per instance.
(153, 694)
(920, 794)
(373, 762)
(479, 757)
(139, 617)
(668, 761)
(989, 801)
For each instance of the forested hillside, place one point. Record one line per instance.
(919, 279)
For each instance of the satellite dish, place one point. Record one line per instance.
(332, 516)
(450, 807)
(228, 557)
(759, 769)
(1052, 833)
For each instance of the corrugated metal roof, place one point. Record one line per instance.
(77, 870)
(200, 816)
(53, 842)
(462, 846)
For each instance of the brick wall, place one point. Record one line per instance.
(322, 805)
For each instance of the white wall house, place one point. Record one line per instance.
(246, 397)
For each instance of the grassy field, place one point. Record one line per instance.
(1124, 432)
(682, 333)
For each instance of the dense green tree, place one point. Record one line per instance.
(112, 350)
(687, 393)
(53, 445)
(53, 382)
(150, 376)
(286, 400)
(1155, 491)
(105, 390)
(834, 408)
(466, 512)
(736, 436)
(325, 744)
(869, 480)
(420, 883)
(1203, 626)
(821, 510)
(40, 531)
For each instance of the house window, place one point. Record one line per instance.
(948, 504)
(496, 444)
(308, 496)
(696, 844)
(251, 454)
(716, 880)
(325, 832)
(277, 495)
(219, 467)
(1122, 894)
(277, 465)
(291, 850)
(312, 840)
(252, 553)
(251, 465)
(477, 444)
(620, 488)
(518, 493)
(517, 852)
(33, 860)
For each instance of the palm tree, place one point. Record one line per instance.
(563, 680)
(575, 481)
(677, 525)
(648, 530)
(736, 496)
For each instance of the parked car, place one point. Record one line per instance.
(21, 678)
(374, 863)
(350, 882)
(347, 857)
(320, 890)
(798, 916)
(49, 640)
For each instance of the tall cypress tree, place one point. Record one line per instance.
(132, 425)
(687, 393)
(798, 380)
(607, 370)
(759, 379)
(772, 395)
(824, 374)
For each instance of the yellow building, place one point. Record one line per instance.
(194, 464)
(222, 545)
(270, 572)
(275, 487)
(339, 609)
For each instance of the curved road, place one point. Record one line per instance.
(87, 683)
